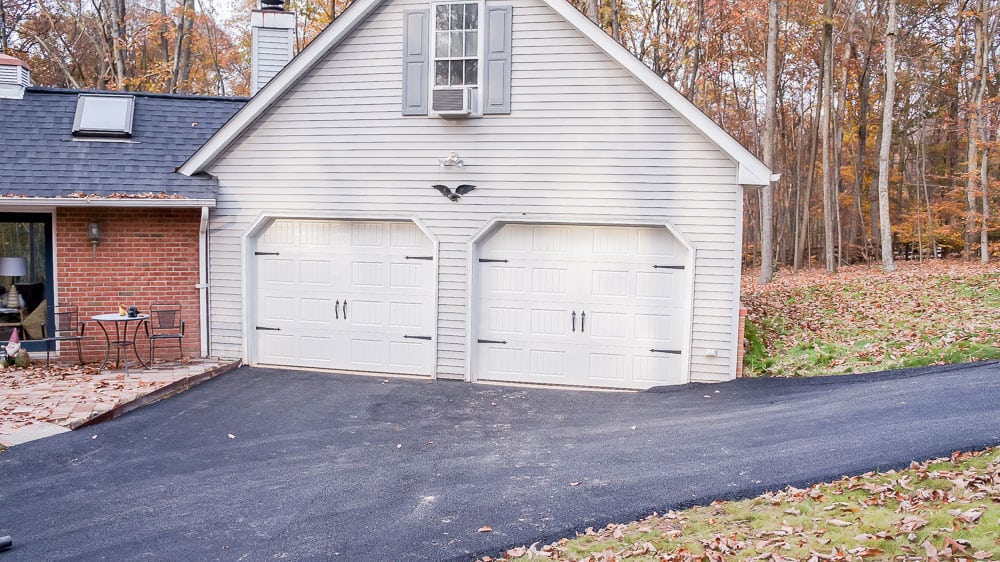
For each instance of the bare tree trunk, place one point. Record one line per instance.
(984, 233)
(594, 11)
(695, 66)
(3, 29)
(829, 196)
(770, 128)
(972, 147)
(616, 24)
(175, 72)
(164, 43)
(883, 157)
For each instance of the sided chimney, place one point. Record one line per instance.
(272, 33)
(14, 77)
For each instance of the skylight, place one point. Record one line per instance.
(103, 116)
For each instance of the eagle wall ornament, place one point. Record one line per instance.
(454, 195)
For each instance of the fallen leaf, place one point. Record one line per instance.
(485, 529)
(574, 483)
(839, 522)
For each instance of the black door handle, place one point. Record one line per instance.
(583, 322)
(345, 309)
(574, 320)
(336, 310)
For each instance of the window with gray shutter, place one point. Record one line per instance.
(416, 71)
(442, 47)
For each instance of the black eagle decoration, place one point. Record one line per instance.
(454, 195)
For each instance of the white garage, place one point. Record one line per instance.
(345, 295)
(600, 306)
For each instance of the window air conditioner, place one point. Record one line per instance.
(454, 102)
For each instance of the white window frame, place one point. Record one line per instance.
(480, 49)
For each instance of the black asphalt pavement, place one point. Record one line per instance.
(360, 468)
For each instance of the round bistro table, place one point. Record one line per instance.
(121, 343)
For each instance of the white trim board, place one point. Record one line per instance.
(750, 170)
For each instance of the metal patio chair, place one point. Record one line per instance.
(164, 323)
(68, 328)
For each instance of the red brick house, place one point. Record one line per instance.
(74, 161)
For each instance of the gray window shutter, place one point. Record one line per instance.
(498, 46)
(416, 53)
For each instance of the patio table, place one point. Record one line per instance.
(121, 343)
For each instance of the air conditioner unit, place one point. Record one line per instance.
(455, 102)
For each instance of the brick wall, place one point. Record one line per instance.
(145, 256)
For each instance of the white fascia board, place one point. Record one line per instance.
(99, 202)
(356, 13)
(751, 171)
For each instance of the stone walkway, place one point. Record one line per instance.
(71, 396)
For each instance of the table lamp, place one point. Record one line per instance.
(13, 267)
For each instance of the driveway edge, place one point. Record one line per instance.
(171, 389)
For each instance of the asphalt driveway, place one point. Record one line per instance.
(358, 468)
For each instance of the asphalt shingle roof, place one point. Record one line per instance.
(39, 157)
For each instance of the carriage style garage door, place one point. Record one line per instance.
(346, 295)
(582, 305)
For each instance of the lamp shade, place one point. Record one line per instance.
(13, 267)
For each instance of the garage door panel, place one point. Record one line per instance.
(279, 308)
(608, 367)
(316, 272)
(506, 320)
(274, 270)
(550, 280)
(609, 283)
(604, 272)
(608, 325)
(657, 370)
(547, 363)
(613, 241)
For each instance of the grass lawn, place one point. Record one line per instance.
(810, 324)
(944, 509)
(864, 320)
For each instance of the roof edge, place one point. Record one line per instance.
(53, 90)
(95, 202)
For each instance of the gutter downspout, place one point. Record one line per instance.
(203, 280)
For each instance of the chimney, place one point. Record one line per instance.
(272, 32)
(14, 77)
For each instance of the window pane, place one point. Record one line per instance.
(441, 73)
(472, 72)
(455, 74)
(457, 16)
(472, 16)
(441, 44)
(471, 44)
(456, 44)
(441, 17)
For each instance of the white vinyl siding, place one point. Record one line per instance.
(584, 139)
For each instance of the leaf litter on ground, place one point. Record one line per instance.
(862, 319)
(946, 509)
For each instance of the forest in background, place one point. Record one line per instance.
(822, 126)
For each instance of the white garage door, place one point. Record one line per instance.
(582, 305)
(346, 295)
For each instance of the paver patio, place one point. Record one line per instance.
(72, 395)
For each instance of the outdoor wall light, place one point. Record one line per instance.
(452, 161)
(94, 234)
